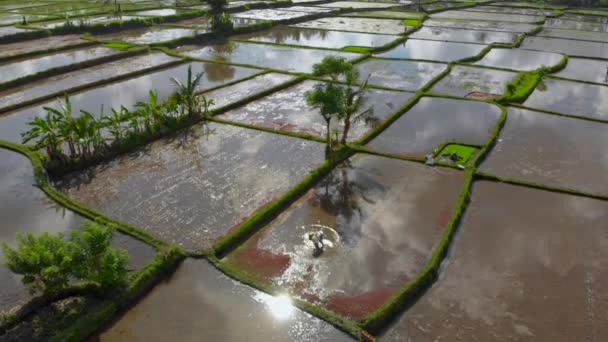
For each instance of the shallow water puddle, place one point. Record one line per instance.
(127, 93)
(405, 75)
(551, 150)
(27, 67)
(488, 293)
(25, 208)
(474, 82)
(318, 38)
(287, 110)
(193, 188)
(464, 36)
(433, 50)
(206, 305)
(570, 97)
(264, 55)
(434, 121)
(387, 216)
(383, 26)
(518, 59)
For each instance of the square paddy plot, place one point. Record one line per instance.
(264, 55)
(480, 25)
(287, 110)
(149, 35)
(125, 93)
(464, 36)
(433, 50)
(371, 25)
(434, 121)
(404, 75)
(585, 70)
(226, 95)
(318, 38)
(470, 15)
(570, 97)
(576, 48)
(194, 188)
(206, 305)
(526, 265)
(381, 219)
(551, 150)
(518, 59)
(479, 83)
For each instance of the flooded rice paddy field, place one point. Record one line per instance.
(529, 254)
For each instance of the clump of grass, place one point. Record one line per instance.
(412, 22)
(521, 86)
(359, 49)
(464, 152)
(120, 45)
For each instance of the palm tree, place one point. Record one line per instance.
(45, 134)
(114, 123)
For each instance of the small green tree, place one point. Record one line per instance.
(220, 19)
(189, 102)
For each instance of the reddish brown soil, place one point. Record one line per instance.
(358, 306)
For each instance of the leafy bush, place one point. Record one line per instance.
(49, 262)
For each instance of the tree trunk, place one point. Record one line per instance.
(346, 129)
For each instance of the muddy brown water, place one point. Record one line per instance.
(518, 59)
(433, 121)
(287, 110)
(433, 50)
(63, 83)
(26, 67)
(194, 188)
(199, 303)
(464, 36)
(404, 75)
(385, 26)
(518, 271)
(264, 55)
(25, 208)
(43, 44)
(383, 216)
(463, 81)
(551, 150)
(570, 98)
(126, 93)
(318, 38)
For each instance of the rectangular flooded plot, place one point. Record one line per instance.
(193, 189)
(558, 23)
(271, 14)
(551, 150)
(12, 19)
(309, 9)
(585, 18)
(464, 36)
(526, 265)
(518, 59)
(287, 110)
(87, 21)
(127, 93)
(384, 26)
(11, 30)
(163, 12)
(511, 10)
(318, 38)
(43, 44)
(387, 14)
(478, 83)
(149, 35)
(576, 35)
(567, 46)
(264, 55)
(381, 219)
(404, 75)
(230, 94)
(25, 208)
(469, 15)
(434, 121)
(206, 305)
(28, 67)
(433, 50)
(205, 22)
(61, 84)
(569, 97)
(585, 70)
(481, 25)
(360, 4)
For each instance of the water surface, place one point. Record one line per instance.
(526, 265)
(433, 50)
(480, 25)
(474, 82)
(559, 23)
(433, 121)
(567, 46)
(149, 35)
(405, 75)
(229, 94)
(518, 59)
(585, 70)
(382, 218)
(271, 14)
(470, 15)
(362, 4)
(384, 26)
(552, 150)
(42, 44)
(576, 35)
(464, 36)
